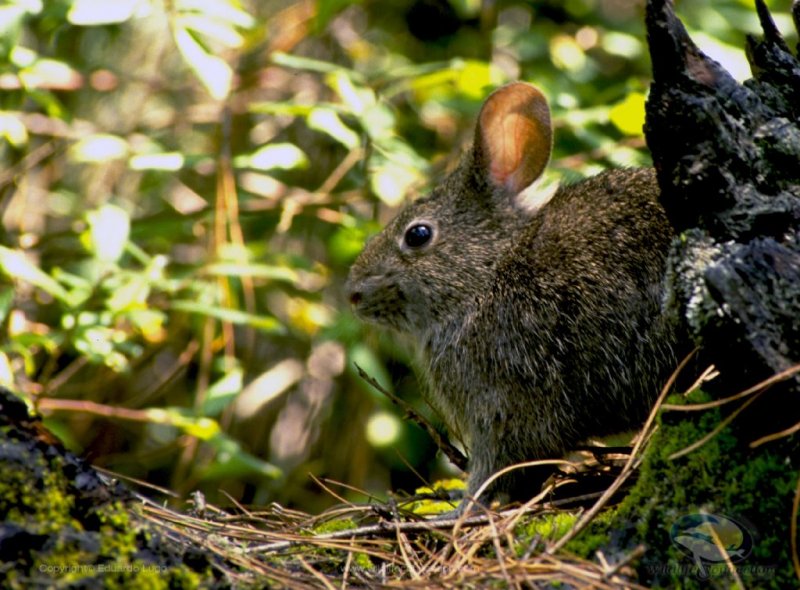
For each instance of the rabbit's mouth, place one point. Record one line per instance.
(379, 305)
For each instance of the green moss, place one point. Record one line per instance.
(753, 489)
(33, 495)
(138, 574)
(438, 501)
(547, 527)
(363, 561)
(336, 557)
(594, 536)
(334, 526)
(74, 540)
(118, 536)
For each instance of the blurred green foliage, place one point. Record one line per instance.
(185, 183)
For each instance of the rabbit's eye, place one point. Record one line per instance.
(418, 235)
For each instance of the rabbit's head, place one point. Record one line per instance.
(441, 251)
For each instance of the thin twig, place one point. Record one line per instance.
(709, 374)
(485, 485)
(401, 545)
(386, 528)
(776, 378)
(755, 391)
(636, 553)
(339, 498)
(726, 557)
(717, 429)
(87, 407)
(28, 162)
(775, 436)
(316, 574)
(456, 457)
(380, 529)
(346, 573)
(351, 159)
(138, 482)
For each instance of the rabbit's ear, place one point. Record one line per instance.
(513, 138)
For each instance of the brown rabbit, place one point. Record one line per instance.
(536, 330)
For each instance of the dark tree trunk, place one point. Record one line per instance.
(727, 157)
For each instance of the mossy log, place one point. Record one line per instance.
(65, 525)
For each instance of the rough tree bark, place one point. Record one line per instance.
(727, 157)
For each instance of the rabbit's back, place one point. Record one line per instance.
(599, 240)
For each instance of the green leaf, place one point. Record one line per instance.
(357, 98)
(259, 271)
(221, 393)
(347, 242)
(223, 10)
(169, 162)
(149, 322)
(99, 344)
(13, 12)
(48, 101)
(129, 294)
(23, 57)
(392, 180)
(17, 266)
(328, 121)
(6, 301)
(212, 71)
(102, 12)
(622, 44)
(261, 322)
(628, 115)
(212, 29)
(474, 77)
(417, 77)
(233, 462)
(281, 156)
(567, 54)
(327, 9)
(99, 148)
(13, 130)
(80, 289)
(312, 65)
(284, 108)
(200, 427)
(50, 74)
(27, 345)
(109, 228)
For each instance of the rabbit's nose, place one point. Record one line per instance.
(354, 293)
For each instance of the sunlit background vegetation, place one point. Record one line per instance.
(184, 184)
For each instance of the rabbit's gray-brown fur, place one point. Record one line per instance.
(536, 330)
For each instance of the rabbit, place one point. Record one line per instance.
(535, 329)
